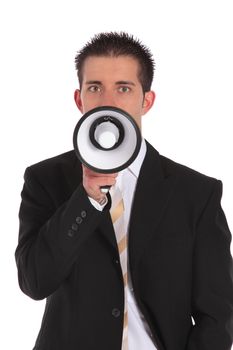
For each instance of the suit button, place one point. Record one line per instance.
(75, 227)
(83, 214)
(116, 312)
(70, 233)
(79, 220)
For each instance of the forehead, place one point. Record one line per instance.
(102, 67)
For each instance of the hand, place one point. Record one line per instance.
(92, 182)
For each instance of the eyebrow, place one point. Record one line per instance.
(121, 82)
(125, 82)
(95, 82)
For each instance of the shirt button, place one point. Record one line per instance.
(75, 227)
(79, 220)
(116, 312)
(70, 233)
(83, 214)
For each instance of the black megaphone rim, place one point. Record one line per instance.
(138, 138)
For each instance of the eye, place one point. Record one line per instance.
(124, 89)
(94, 88)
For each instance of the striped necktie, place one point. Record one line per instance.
(117, 215)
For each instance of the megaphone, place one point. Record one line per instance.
(106, 139)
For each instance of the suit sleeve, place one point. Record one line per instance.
(50, 239)
(212, 299)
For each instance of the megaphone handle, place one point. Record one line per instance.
(105, 189)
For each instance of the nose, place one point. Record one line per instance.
(108, 99)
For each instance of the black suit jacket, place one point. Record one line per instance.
(179, 255)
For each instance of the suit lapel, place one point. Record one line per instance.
(107, 230)
(152, 195)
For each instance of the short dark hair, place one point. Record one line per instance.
(118, 44)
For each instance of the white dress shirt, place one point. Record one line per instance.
(139, 334)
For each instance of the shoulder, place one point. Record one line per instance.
(55, 172)
(59, 162)
(171, 167)
(188, 180)
(61, 159)
(191, 181)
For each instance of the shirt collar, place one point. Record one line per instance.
(134, 167)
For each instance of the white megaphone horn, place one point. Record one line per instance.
(106, 139)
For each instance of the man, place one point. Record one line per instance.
(178, 241)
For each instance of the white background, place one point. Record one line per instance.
(191, 121)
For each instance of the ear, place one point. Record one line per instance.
(78, 101)
(148, 101)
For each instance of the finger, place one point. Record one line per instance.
(89, 172)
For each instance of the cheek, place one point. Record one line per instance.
(138, 109)
(88, 103)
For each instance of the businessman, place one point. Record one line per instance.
(147, 266)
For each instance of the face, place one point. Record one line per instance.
(113, 81)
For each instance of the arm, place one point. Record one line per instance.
(49, 242)
(212, 299)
